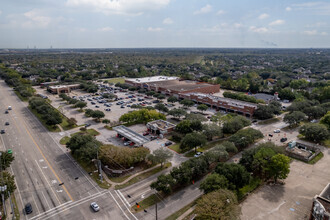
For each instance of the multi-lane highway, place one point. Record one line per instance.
(41, 165)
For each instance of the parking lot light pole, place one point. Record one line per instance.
(99, 167)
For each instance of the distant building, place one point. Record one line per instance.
(57, 89)
(321, 205)
(172, 85)
(160, 127)
(47, 84)
(265, 97)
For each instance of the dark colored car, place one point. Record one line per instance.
(7, 123)
(284, 139)
(2, 131)
(6, 112)
(153, 138)
(87, 125)
(270, 135)
(28, 208)
(168, 143)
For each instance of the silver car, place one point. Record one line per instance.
(95, 207)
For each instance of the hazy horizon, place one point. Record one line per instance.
(164, 24)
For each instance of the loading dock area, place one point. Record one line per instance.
(131, 135)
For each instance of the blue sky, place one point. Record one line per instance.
(164, 23)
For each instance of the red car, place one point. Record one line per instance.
(145, 133)
(132, 143)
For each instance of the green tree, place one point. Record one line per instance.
(314, 112)
(97, 114)
(164, 183)
(184, 127)
(229, 146)
(263, 112)
(221, 204)
(177, 112)
(244, 137)
(236, 174)
(8, 180)
(80, 105)
(213, 182)
(314, 132)
(172, 99)
(215, 154)
(52, 118)
(278, 167)
(286, 94)
(202, 107)
(234, 124)
(261, 160)
(294, 118)
(187, 103)
(88, 112)
(160, 156)
(192, 140)
(6, 159)
(161, 107)
(326, 120)
(106, 121)
(211, 131)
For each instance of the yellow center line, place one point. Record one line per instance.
(35, 143)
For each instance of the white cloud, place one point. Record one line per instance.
(221, 12)
(206, 9)
(315, 32)
(128, 7)
(105, 29)
(288, 9)
(167, 21)
(277, 22)
(318, 7)
(81, 29)
(35, 19)
(238, 25)
(157, 29)
(259, 30)
(0, 12)
(263, 16)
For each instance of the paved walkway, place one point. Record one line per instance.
(113, 184)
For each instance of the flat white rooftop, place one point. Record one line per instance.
(151, 79)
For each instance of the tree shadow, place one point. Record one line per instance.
(273, 193)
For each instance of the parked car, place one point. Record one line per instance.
(93, 103)
(6, 112)
(95, 206)
(284, 139)
(7, 123)
(87, 125)
(145, 133)
(153, 138)
(28, 208)
(123, 106)
(277, 131)
(96, 106)
(108, 109)
(168, 143)
(127, 143)
(198, 154)
(270, 135)
(2, 131)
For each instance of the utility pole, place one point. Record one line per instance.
(156, 212)
(99, 166)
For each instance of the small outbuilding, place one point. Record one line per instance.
(160, 127)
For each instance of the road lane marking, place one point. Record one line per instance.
(118, 204)
(35, 204)
(48, 183)
(47, 161)
(45, 198)
(128, 208)
(123, 197)
(68, 207)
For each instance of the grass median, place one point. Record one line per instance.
(143, 176)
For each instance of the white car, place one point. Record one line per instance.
(277, 131)
(198, 154)
(95, 207)
(127, 143)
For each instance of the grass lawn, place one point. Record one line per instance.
(116, 80)
(16, 211)
(317, 158)
(119, 179)
(147, 202)
(90, 131)
(326, 143)
(143, 176)
(269, 121)
(24, 99)
(49, 128)
(64, 140)
(176, 148)
(89, 167)
(65, 124)
(180, 212)
(204, 148)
